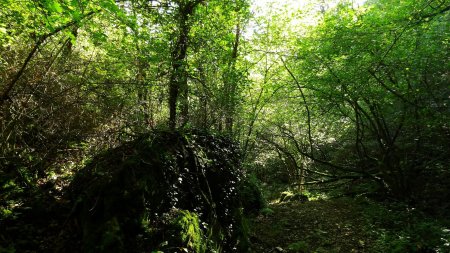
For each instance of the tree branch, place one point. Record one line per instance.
(308, 113)
(5, 94)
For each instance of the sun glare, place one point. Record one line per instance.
(301, 13)
(264, 6)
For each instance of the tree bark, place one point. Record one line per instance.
(178, 77)
(231, 84)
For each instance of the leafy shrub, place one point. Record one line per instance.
(403, 229)
(251, 196)
(266, 211)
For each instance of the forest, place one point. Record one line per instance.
(202, 126)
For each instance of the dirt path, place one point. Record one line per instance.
(315, 226)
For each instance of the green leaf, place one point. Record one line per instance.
(76, 15)
(55, 7)
(72, 37)
(110, 6)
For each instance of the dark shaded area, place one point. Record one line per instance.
(347, 225)
(251, 196)
(172, 191)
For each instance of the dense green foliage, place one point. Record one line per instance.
(364, 97)
(324, 98)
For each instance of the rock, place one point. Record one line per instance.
(126, 199)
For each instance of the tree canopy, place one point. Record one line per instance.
(318, 94)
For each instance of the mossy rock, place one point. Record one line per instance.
(123, 197)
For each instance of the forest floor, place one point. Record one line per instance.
(336, 225)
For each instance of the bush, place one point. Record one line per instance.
(251, 196)
(403, 229)
(141, 185)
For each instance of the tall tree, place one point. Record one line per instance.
(178, 83)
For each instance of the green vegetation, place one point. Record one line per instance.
(300, 246)
(157, 192)
(224, 126)
(348, 225)
(186, 227)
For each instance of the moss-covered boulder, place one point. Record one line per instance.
(166, 190)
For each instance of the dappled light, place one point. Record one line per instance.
(225, 126)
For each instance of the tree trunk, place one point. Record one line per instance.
(178, 77)
(231, 84)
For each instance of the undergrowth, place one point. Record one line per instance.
(401, 228)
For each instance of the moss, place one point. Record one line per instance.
(185, 233)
